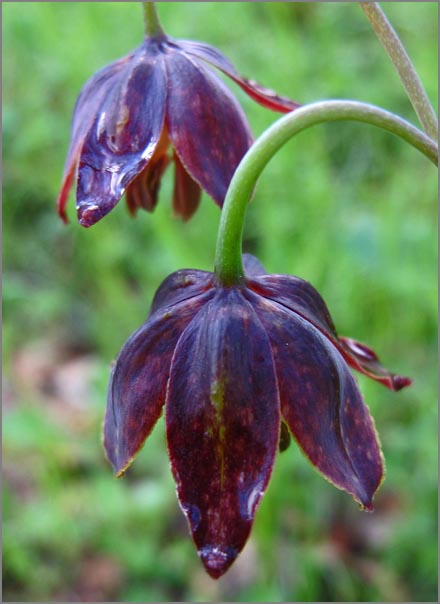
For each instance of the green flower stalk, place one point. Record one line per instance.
(404, 67)
(228, 261)
(152, 24)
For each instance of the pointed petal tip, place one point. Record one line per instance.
(62, 214)
(217, 559)
(369, 507)
(89, 214)
(400, 382)
(120, 473)
(362, 495)
(118, 463)
(111, 456)
(85, 224)
(365, 502)
(364, 359)
(266, 97)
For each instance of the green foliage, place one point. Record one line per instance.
(345, 206)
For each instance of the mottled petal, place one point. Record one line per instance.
(321, 403)
(180, 286)
(186, 195)
(223, 421)
(266, 97)
(123, 136)
(365, 360)
(138, 382)
(252, 266)
(302, 298)
(206, 125)
(297, 295)
(86, 107)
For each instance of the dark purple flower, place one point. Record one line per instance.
(129, 114)
(232, 365)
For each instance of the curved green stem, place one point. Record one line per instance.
(228, 262)
(404, 67)
(152, 24)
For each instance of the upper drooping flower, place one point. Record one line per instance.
(231, 365)
(128, 115)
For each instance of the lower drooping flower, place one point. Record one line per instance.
(231, 365)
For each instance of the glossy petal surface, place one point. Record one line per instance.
(206, 124)
(321, 403)
(123, 136)
(138, 382)
(266, 97)
(86, 107)
(223, 422)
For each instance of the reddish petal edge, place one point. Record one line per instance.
(266, 97)
(65, 190)
(364, 359)
(262, 95)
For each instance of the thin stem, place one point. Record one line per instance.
(228, 262)
(152, 24)
(404, 67)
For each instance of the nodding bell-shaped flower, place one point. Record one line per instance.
(163, 96)
(234, 366)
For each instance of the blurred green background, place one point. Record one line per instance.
(345, 206)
